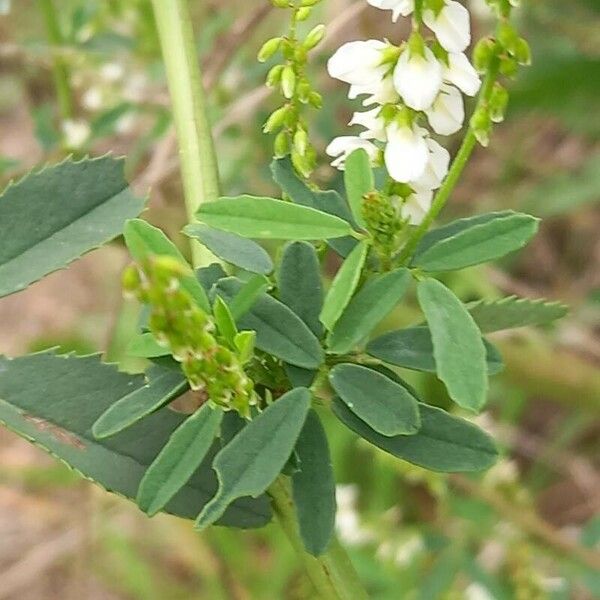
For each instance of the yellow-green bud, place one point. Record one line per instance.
(303, 13)
(508, 66)
(274, 76)
(315, 99)
(306, 3)
(508, 37)
(498, 103)
(281, 3)
(281, 146)
(314, 37)
(288, 82)
(482, 125)
(484, 51)
(301, 141)
(522, 52)
(269, 48)
(277, 119)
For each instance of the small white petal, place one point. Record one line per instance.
(342, 146)
(461, 73)
(406, 153)
(358, 63)
(415, 207)
(436, 168)
(447, 113)
(398, 7)
(418, 79)
(380, 92)
(374, 124)
(451, 26)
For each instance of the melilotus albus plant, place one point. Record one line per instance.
(262, 346)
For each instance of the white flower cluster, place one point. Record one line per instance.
(407, 84)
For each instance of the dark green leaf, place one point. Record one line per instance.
(358, 179)
(344, 285)
(145, 345)
(481, 242)
(512, 312)
(163, 385)
(232, 248)
(367, 309)
(144, 240)
(298, 376)
(256, 455)
(51, 217)
(267, 218)
(54, 401)
(314, 487)
(460, 355)
(412, 348)
(384, 405)
(208, 276)
(178, 460)
(444, 443)
(299, 282)
(279, 331)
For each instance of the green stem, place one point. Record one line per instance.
(454, 174)
(60, 70)
(199, 169)
(332, 573)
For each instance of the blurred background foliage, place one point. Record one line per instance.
(529, 529)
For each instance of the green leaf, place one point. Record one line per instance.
(256, 455)
(232, 248)
(374, 301)
(178, 460)
(51, 217)
(344, 285)
(249, 292)
(299, 283)
(457, 345)
(384, 405)
(54, 401)
(313, 487)
(163, 385)
(412, 348)
(512, 312)
(479, 243)
(208, 276)
(444, 443)
(298, 376)
(224, 320)
(358, 179)
(245, 342)
(267, 218)
(145, 345)
(144, 241)
(279, 331)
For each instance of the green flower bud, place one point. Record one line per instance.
(277, 119)
(382, 222)
(315, 99)
(288, 82)
(481, 123)
(269, 48)
(507, 36)
(508, 66)
(484, 51)
(274, 76)
(303, 13)
(314, 37)
(303, 91)
(281, 3)
(301, 141)
(281, 146)
(498, 103)
(522, 52)
(306, 3)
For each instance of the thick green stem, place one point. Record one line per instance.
(332, 574)
(456, 170)
(196, 150)
(60, 70)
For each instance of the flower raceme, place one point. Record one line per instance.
(406, 87)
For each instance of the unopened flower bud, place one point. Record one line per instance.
(508, 66)
(269, 48)
(314, 37)
(281, 146)
(498, 103)
(274, 76)
(281, 3)
(288, 81)
(482, 125)
(507, 36)
(484, 51)
(303, 13)
(522, 52)
(277, 119)
(301, 141)
(315, 99)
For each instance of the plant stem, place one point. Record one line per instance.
(456, 170)
(199, 169)
(60, 70)
(332, 573)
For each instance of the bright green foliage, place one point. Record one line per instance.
(163, 385)
(224, 321)
(256, 455)
(479, 243)
(267, 218)
(182, 455)
(381, 403)
(358, 178)
(444, 443)
(299, 283)
(51, 217)
(248, 294)
(232, 248)
(145, 241)
(179, 323)
(314, 486)
(145, 345)
(344, 285)
(367, 309)
(279, 331)
(457, 345)
(54, 401)
(412, 348)
(512, 312)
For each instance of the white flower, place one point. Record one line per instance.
(436, 167)
(416, 206)
(398, 7)
(451, 26)
(461, 73)
(343, 146)
(418, 78)
(76, 133)
(380, 92)
(406, 153)
(447, 113)
(372, 122)
(358, 63)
